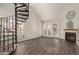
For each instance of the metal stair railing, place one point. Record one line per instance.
(7, 33)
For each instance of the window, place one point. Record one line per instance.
(54, 29)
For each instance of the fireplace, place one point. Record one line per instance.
(70, 36)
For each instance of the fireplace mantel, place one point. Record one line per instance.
(71, 29)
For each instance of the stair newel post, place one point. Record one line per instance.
(15, 23)
(12, 33)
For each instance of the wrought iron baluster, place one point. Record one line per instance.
(9, 36)
(4, 34)
(7, 33)
(0, 30)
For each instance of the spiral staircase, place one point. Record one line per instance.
(8, 28)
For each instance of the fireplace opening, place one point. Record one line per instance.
(70, 36)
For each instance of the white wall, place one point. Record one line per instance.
(62, 19)
(32, 27)
(7, 9)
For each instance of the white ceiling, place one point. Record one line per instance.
(46, 11)
(49, 11)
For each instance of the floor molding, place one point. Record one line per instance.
(29, 39)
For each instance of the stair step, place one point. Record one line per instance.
(22, 10)
(27, 4)
(19, 6)
(22, 14)
(20, 21)
(22, 17)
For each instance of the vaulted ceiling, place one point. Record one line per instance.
(49, 11)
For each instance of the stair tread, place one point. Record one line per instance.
(20, 10)
(20, 17)
(20, 6)
(22, 14)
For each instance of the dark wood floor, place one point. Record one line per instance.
(46, 46)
